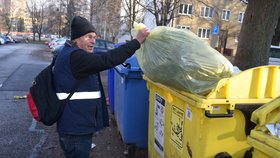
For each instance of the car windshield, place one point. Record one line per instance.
(61, 41)
(99, 44)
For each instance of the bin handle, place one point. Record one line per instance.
(229, 114)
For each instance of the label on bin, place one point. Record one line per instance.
(177, 127)
(159, 124)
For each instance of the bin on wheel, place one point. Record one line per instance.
(131, 103)
(111, 89)
(111, 83)
(186, 125)
(266, 144)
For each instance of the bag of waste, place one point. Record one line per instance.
(180, 59)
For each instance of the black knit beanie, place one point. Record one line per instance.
(80, 26)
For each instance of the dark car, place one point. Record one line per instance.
(102, 46)
(274, 55)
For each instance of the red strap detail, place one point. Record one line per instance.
(32, 107)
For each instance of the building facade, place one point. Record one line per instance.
(13, 11)
(217, 22)
(4, 7)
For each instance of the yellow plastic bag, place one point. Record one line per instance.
(179, 59)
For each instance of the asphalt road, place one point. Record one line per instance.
(23, 137)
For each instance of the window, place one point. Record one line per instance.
(237, 38)
(204, 33)
(206, 12)
(226, 14)
(183, 27)
(240, 17)
(185, 9)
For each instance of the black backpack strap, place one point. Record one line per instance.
(53, 61)
(74, 88)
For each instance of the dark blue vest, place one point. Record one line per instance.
(82, 115)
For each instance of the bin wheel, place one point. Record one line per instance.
(130, 151)
(223, 155)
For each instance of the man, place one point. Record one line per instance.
(76, 67)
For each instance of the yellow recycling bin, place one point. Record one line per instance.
(187, 125)
(265, 143)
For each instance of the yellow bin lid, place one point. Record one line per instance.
(255, 83)
(270, 145)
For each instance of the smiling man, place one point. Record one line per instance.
(86, 111)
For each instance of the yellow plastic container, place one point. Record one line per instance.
(264, 143)
(188, 125)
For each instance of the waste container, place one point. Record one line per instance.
(183, 124)
(111, 89)
(131, 103)
(111, 83)
(265, 142)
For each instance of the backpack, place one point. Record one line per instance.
(43, 103)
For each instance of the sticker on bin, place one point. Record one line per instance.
(177, 127)
(159, 124)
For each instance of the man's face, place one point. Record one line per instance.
(87, 42)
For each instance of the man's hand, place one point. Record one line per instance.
(142, 35)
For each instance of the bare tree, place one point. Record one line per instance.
(131, 11)
(20, 25)
(41, 19)
(163, 10)
(5, 14)
(106, 18)
(36, 11)
(260, 20)
(70, 13)
(91, 10)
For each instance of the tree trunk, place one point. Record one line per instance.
(276, 37)
(256, 33)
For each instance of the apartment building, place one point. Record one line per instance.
(14, 10)
(4, 5)
(218, 22)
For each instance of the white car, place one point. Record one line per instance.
(274, 55)
(2, 41)
(55, 43)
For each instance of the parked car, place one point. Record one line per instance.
(56, 43)
(2, 41)
(102, 46)
(5, 39)
(274, 55)
(10, 39)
